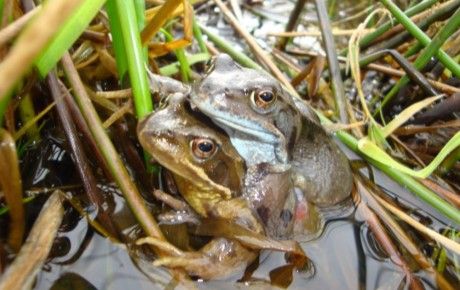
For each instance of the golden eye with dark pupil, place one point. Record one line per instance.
(203, 147)
(264, 99)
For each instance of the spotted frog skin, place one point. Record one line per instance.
(253, 108)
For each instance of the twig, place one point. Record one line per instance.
(334, 68)
(292, 22)
(112, 158)
(7, 33)
(21, 273)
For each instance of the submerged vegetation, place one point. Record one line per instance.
(77, 76)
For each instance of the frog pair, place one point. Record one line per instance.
(239, 148)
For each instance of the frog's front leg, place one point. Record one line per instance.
(181, 212)
(306, 111)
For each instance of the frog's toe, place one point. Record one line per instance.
(161, 245)
(189, 261)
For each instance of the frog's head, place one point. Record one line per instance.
(204, 164)
(248, 101)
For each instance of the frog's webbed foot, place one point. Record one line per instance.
(218, 259)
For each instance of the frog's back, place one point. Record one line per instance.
(321, 168)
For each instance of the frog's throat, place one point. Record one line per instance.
(245, 127)
(261, 135)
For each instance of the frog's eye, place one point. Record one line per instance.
(263, 100)
(203, 148)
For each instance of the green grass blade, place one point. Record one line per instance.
(421, 36)
(117, 40)
(2, 3)
(184, 66)
(228, 48)
(67, 35)
(126, 37)
(374, 152)
(405, 180)
(367, 39)
(139, 7)
(173, 68)
(432, 48)
(406, 114)
(199, 36)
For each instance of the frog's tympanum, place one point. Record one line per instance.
(253, 108)
(209, 174)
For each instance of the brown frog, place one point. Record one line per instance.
(253, 108)
(209, 174)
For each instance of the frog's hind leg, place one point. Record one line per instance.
(218, 259)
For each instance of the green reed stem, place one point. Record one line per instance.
(184, 66)
(432, 49)
(129, 53)
(421, 36)
(370, 37)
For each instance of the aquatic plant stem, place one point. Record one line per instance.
(81, 161)
(184, 66)
(433, 48)
(225, 46)
(123, 17)
(405, 180)
(367, 39)
(10, 182)
(334, 68)
(421, 36)
(199, 36)
(115, 165)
